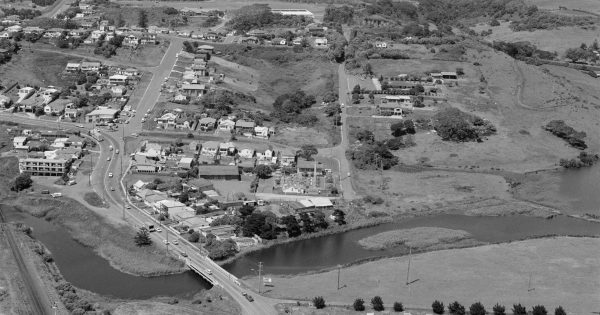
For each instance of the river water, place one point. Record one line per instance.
(82, 267)
(582, 187)
(332, 250)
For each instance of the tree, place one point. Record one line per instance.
(403, 127)
(456, 308)
(291, 225)
(246, 210)
(340, 217)
(194, 237)
(477, 309)
(539, 310)
(519, 309)
(499, 309)
(184, 197)
(359, 305)
(142, 237)
(560, 310)
(356, 89)
(307, 224)
(319, 302)
(320, 221)
(307, 151)
(398, 307)
(263, 171)
(377, 303)
(437, 307)
(39, 111)
(22, 182)
(142, 18)
(576, 54)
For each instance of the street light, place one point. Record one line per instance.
(259, 271)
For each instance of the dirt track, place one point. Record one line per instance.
(39, 300)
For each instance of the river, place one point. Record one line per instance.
(343, 248)
(85, 269)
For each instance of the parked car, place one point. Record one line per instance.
(166, 242)
(45, 192)
(128, 207)
(55, 195)
(112, 188)
(117, 152)
(249, 298)
(184, 254)
(175, 242)
(108, 158)
(158, 230)
(209, 271)
(110, 174)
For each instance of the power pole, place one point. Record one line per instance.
(338, 283)
(260, 264)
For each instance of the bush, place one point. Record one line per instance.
(359, 305)
(437, 307)
(560, 129)
(398, 307)
(559, 311)
(499, 309)
(22, 182)
(477, 309)
(377, 303)
(319, 302)
(454, 125)
(194, 237)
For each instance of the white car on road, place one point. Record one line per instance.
(110, 174)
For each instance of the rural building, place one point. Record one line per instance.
(118, 79)
(294, 12)
(185, 163)
(90, 66)
(389, 109)
(449, 75)
(193, 90)
(219, 172)
(321, 42)
(72, 67)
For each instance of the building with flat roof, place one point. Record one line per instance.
(101, 115)
(295, 12)
(43, 167)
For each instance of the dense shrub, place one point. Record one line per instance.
(519, 309)
(560, 129)
(359, 305)
(342, 14)
(437, 307)
(477, 309)
(454, 125)
(539, 310)
(372, 157)
(456, 308)
(377, 303)
(319, 302)
(499, 309)
(398, 307)
(260, 15)
(584, 160)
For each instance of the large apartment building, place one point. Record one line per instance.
(43, 167)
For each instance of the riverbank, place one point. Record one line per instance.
(420, 239)
(113, 243)
(563, 270)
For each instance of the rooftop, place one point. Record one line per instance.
(208, 170)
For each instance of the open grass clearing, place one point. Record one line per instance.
(413, 192)
(563, 271)
(558, 40)
(36, 68)
(94, 200)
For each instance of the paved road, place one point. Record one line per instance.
(59, 6)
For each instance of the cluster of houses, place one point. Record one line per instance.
(191, 76)
(48, 153)
(313, 34)
(216, 160)
(183, 217)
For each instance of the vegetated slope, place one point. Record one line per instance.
(9, 169)
(35, 68)
(283, 70)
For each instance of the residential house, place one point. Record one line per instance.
(5, 101)
(186, 163)
(245, 126)
(381, 45)
(118, 90)
(193, 90)
(227, 149)
(267, 155)
(72, 67)
(210, 148)
(166, 121)
(309, 167)
(56, 107)
(279, 41)
(33, 30)
(297, 41)
(205, 48)
(96, 35)
(194, 146)
(25, 93)
(263, 132)
(246, 152)
(5, 35)
(394, 105)
(101, 115)
(321, 42)
(20, 142)
(118, 79)
(249, 40)
(169, 205)
(218, 172)
(90, 66)
(389, 109)
(71, 113)
(11, 20)
(449, 75)
(207, 123)
(131, 40)
(287, 157)
(148, 38)
(200, 184)
(13, 29)
(221, 232)
(226, 124)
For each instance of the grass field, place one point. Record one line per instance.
(563, 271)
(114, 243)
(33, 67)
(94, 200)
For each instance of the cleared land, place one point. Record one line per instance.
(563, 271)
(422, 238)
(114, 243)
(37, 68)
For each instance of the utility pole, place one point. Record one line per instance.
(92, 168)
(338, 283)
(260, 264)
